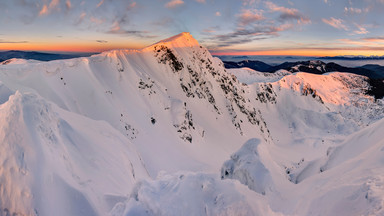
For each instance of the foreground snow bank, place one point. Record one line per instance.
(191, 194)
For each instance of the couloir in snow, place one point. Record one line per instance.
(167, 130)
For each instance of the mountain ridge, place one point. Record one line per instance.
(6, 56)
(312, 66)
(121, 130)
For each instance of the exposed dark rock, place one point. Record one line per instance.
(165, 55)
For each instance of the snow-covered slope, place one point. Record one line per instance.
(152, 131)
(59, 163)
(171, 101)
(348, 180)
(172, 93)
(313, 119)
(249, 76)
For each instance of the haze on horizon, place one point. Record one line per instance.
(230, 27)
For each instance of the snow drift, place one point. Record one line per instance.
(245, 166)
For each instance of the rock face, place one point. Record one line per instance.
(117, 132)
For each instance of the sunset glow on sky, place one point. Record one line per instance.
(232, 27)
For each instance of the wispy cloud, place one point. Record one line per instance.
(354, 48)
(242, 36)
(351, 10)
(81, 18)
(163, 22)
(47, 9)
(374, 39)
(116, 29)
(372, 42)
(100, 3)
(96, 20)
(336, 23)
(201, 1)
(211, 30)
(12, 42)
(250, 16)
(54, 4)
(115, 13)
(360, 29)
(287, 13)
(257, 24)
(174, 3)
(273, 7)
(101, 41)
(249, 2)
(217, 13)
(352, 42)
(43, 10)
(68, 4)
(364, 42)
(132, 5)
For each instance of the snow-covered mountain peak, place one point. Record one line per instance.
(184, 39)
(17, 61)
(179, 41)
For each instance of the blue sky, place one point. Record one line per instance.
(294, 27)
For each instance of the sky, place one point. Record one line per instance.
(225, 27)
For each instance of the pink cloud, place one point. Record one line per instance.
(375, 39)
(132, 5)
(47, 9)
(336, 23)
(43, 10)
(352, 10)
(360, 29)
(68, 4)
(174, 3)
(250, 16)
(100, 3)
(273, 7)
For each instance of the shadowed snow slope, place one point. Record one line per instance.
(50, 157)
(146, 132)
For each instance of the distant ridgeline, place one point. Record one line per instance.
(375, 73)
(38, 55)
(353, 57)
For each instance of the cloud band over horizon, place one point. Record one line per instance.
(258, 26)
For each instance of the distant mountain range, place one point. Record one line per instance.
(317, 58)
(375, 73)
(315, 67)
(353, 57)
(40, 56)
(255, 65)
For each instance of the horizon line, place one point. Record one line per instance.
(213, 53)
